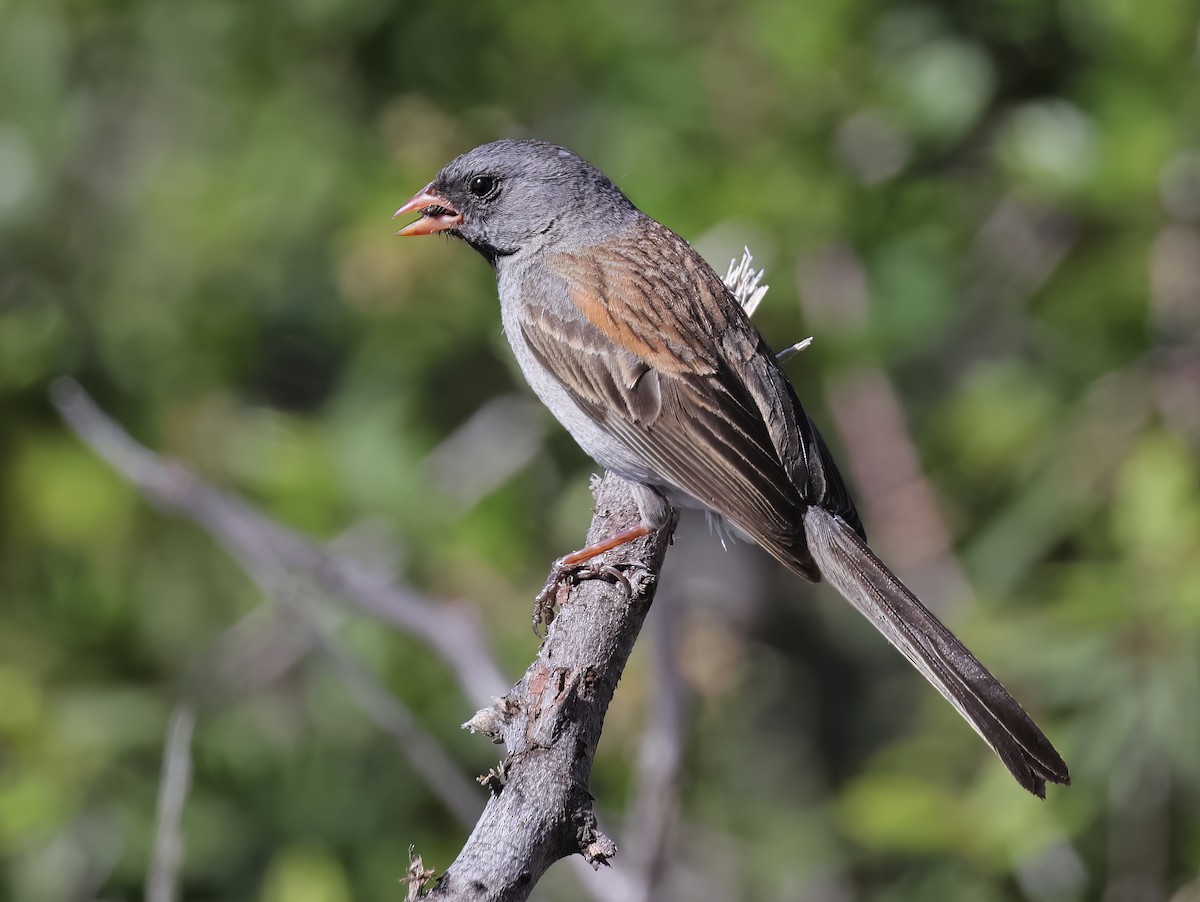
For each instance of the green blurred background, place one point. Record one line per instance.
(987, 214)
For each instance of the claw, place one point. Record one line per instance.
(618, 578)
(552, 595)
(563, 576)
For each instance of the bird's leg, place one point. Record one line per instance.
(655, 514)
(583, 555)
(574, 568)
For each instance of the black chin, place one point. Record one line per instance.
(489, 252)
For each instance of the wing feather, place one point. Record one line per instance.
(663, 357)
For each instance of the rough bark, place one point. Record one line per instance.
(540, 809)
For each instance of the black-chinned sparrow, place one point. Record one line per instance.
(635, 344)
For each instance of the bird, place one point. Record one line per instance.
(636, 346)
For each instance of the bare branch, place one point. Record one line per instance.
(540, 809)
(265, 551)
(451, 631)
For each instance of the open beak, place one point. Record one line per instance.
(436, 213)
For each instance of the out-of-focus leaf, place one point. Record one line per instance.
(994, 206)
(900, 814)
(65, 496)
(305, 874)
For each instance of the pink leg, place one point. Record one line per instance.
(622, 538)
(570, 569)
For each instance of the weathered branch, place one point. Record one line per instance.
(540, 809)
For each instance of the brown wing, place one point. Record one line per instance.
(685, 381)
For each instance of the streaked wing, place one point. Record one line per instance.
(653, 347)
(650, 345)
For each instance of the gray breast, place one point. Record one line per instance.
(588, 434)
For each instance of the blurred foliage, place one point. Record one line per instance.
(194, 203)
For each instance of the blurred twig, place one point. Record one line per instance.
(883, 457)
(486, 451)
(656, 812)
(162, 878)
(389, 714)
(265, 550)
(268, 552)
(237, 656)
(451, 631)
(880, 452)
(245, 658)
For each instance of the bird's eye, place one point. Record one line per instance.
(482, 185)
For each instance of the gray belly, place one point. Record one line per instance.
(595, 442)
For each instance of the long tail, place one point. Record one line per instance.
(854, 570)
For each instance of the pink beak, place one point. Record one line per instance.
(436, 213)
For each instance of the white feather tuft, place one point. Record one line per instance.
(742, 282)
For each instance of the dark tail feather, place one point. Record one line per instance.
(854, 570)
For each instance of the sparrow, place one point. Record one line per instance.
(637, 347)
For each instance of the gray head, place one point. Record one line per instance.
(509, 196)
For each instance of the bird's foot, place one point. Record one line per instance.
(564, 576)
